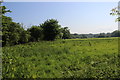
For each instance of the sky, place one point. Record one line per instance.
(80, 17)
(61, 0)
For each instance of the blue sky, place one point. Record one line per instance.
(61, 0)
(80, 17)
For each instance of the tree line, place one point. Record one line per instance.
(115, 33)
(13, 33)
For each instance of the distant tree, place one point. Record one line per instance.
(51, 29)
(83, 36)
(90, 35)
(116, 33)
(108, 35)
(36, 33)
(66, 33)
(101, 35)
(75, 34)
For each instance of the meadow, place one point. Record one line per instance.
(70, 58)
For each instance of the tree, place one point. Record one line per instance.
(83, 36)
(116, 33)
(36, 33)
(115, 11)
(51, 29)
(101, 35)
(66, 33)
(108, 35)
(2, 17)
(75, 35)
(6, 28)
(24, 36)
(12, 33)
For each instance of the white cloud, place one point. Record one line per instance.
(61, 0)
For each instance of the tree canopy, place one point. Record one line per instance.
(115, 12)
(51, 29)
(12, 32)
(36, 33)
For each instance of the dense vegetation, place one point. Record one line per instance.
(72, 58)
(13, 33)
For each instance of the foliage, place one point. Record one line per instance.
(51, 29)
(24, 36)
(36, 33)
(4, 10)
(116, 33)
(12, 33)
(66, 33)
(115, 11)
(71, 58)
(8, 31)
(101, 35)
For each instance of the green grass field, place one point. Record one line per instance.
(72, 58)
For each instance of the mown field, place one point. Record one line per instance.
(73, 58)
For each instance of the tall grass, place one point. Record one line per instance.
(73, 58)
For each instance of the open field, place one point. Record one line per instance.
(73, 58)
